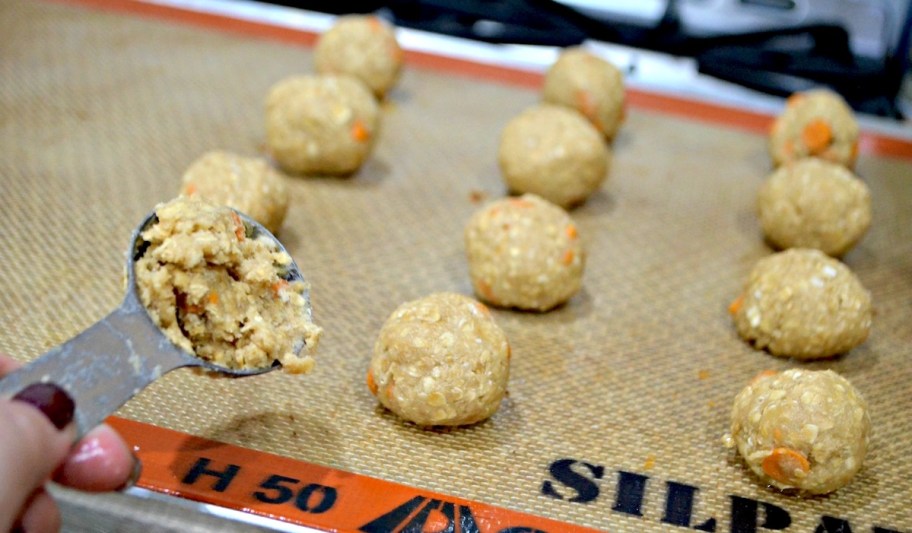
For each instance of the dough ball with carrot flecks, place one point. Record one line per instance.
(813, 203)
(524, 252)
(321, 124)
(553, 152)
(247, 184)
(364, 47)
(590, 85)
(801, 430)
(440, 360)
(804, 304)
(815, 123)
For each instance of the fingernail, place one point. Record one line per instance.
(51, 400)
(134, 474)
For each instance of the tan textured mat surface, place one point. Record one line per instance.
(100, 113)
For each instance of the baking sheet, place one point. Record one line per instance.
(627, 386)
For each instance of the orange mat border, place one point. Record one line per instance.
(299, 492)
(869, 143)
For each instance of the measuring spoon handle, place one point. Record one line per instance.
(105, 365)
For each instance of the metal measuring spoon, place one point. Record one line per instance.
(117, 357)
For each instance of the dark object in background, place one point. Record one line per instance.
(778, 62)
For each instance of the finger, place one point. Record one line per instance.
(30, 450)
(8, 364)
(41, 514)
(100, 461)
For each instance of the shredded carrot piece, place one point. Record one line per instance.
(793, 100)
(817, 135)
(482, 308)
(359, 132)
(520, 202)
(775, 126)
(389, 391)
(371, 384)
(736, 305)
(567, 257)
(190, 189)
(777, 435)
(571, 232)
(650, 462)
(586, 105)
(238, 226)
(213, 298)
(763, 374)
(193, 308)
(185, 306)
(785, 465)
(853, 155)
(476, 196)
(279, 286)
(485, 289)
(375, 23)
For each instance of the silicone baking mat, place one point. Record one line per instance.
(617, 400)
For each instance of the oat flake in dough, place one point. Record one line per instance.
(218, 294)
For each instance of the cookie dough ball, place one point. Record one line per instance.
(801, 303)
(440, 360)
(590, 85)
(247, 184)
(524, 252)
(553, 152)
(801, 429)
(216, 289)
(813, 203)
(364, 47)
(815, 123)
(321, 124)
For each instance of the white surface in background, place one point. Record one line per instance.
(874, 25)
(643, 69)
(642, 12)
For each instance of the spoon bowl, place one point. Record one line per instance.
(104, 366)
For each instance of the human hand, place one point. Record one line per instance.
(36, 436)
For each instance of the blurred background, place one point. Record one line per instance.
(860, 48)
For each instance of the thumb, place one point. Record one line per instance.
(31, 448)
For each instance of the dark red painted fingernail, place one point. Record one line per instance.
(51, 400)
